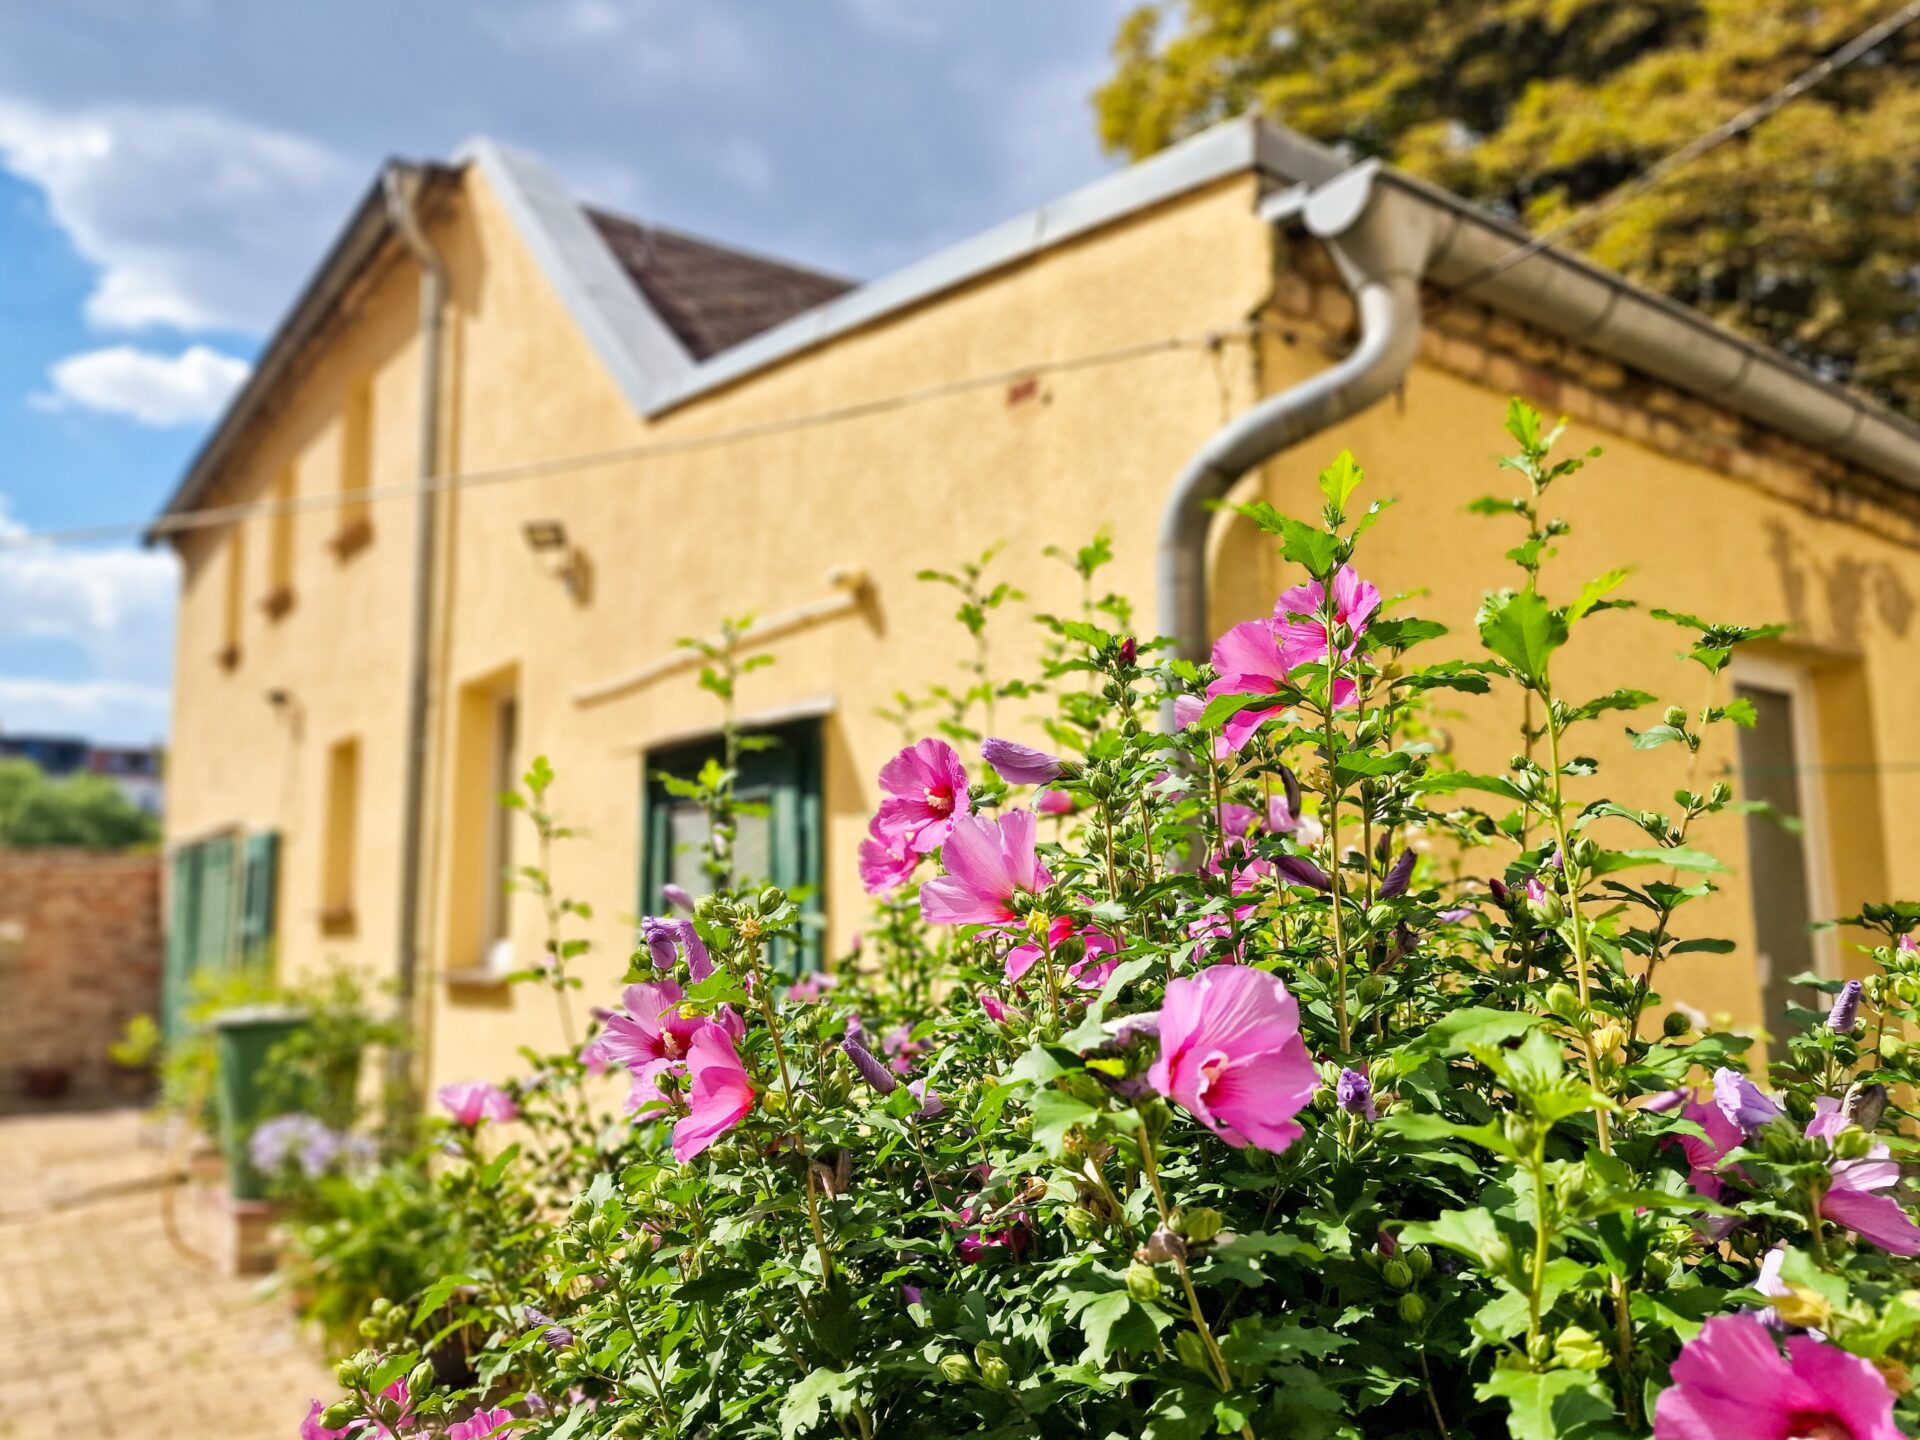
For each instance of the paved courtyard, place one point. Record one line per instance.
(106, 1329)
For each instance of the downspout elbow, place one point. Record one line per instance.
(1381, 243)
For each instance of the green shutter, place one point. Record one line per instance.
(177, 984)
(218, 910)
(259, 892)
(785, 779)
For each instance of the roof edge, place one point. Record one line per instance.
(367, 230)
(642, 354)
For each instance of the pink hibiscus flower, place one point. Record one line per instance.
(652, 1039)
(1303, 630)
(1248, 661)
(721, 1094)
(1731, 1380)
(885, 863)
(1089, 972)
(926, 791)
(1231, 1055)
(481, 1425)
(472, 1101)
(988, 862)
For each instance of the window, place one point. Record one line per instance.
(779, 830)
(222, 893)
(479, 911)
(343, 823)
(496, 931)
(279, 599)
(1785, 841)
(236, 595)
(355, 522)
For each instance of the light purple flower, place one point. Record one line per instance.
(677, 896)
(1019, 764)
(1743, 1102)
(665, 937)
(930, 1103)
(1398, 877)
(1298, 870)
(1353, 1093)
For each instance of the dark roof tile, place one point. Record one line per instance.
(711, 297)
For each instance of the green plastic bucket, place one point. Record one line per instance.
(243, 1039)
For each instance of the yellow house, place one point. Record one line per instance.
(630, 433)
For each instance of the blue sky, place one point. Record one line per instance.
(171, 169)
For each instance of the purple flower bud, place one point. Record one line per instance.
(1162, 1245)
(1537, 890)
(1666, 1100)
(658, 936)
(1455, 915)
(1019, 764)
(1908, 945)
(871, 1070)
(554, 1336)
(677, 897)
(1353, 1092)
(1846, 1008)
(1388, 1246)
(1298, 870)
(1498, 889)
(1129, 651)
(1398, 877)
(910, 1294)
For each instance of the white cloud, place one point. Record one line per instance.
(662, 44)
(114, 607)
(195, 219)
(99, 710)
(154, 389)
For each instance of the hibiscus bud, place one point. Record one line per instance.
(1675, 716)
(1412, 1309)
(1142, 1284)
(1129, 651)
(1199, 1223)
(1081, 1223)
(1659, 1268)
(1563, 1001)
(336, 1415)
(1852, 1144)
(1192, 1351)
(1397, 1273)
(1420, 1262)
(1398, 877)
(1540, 1349)
(1675, 1025)
(1498, 889)
(1893, 1049)
(957, 1368)
(1370, 990)
(1519, 1131)
(1846, 1008)
(996, 1374)
(350, 1371)
(1609, 1040)
(1162, 1245)
(1579, 1349)
(1019, 764)
(420, 1379)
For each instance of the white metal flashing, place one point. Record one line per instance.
(1234, 148)
(644, 357)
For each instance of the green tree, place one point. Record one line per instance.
(87, 811)
(1803, 233)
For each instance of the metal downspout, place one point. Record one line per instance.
(402, 189)
(1381, 243)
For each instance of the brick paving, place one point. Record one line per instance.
(106, 1330)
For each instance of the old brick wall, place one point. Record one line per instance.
(80, 955)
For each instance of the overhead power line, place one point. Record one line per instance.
(216, 515)
(1663, 169)
(1677, 160)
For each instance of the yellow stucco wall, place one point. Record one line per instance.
(677, 541)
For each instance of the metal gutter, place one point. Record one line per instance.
(1382, 242)
(402, 186)
(1602, 312)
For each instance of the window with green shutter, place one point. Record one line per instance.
(222, 897)
(779, 837)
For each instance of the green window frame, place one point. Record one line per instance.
(221, 916)
(785, 779)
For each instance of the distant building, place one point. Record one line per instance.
(135, 769)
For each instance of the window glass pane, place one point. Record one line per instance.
(687, 832)
(1777, 853)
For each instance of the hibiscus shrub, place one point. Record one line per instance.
(1188, 1083)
